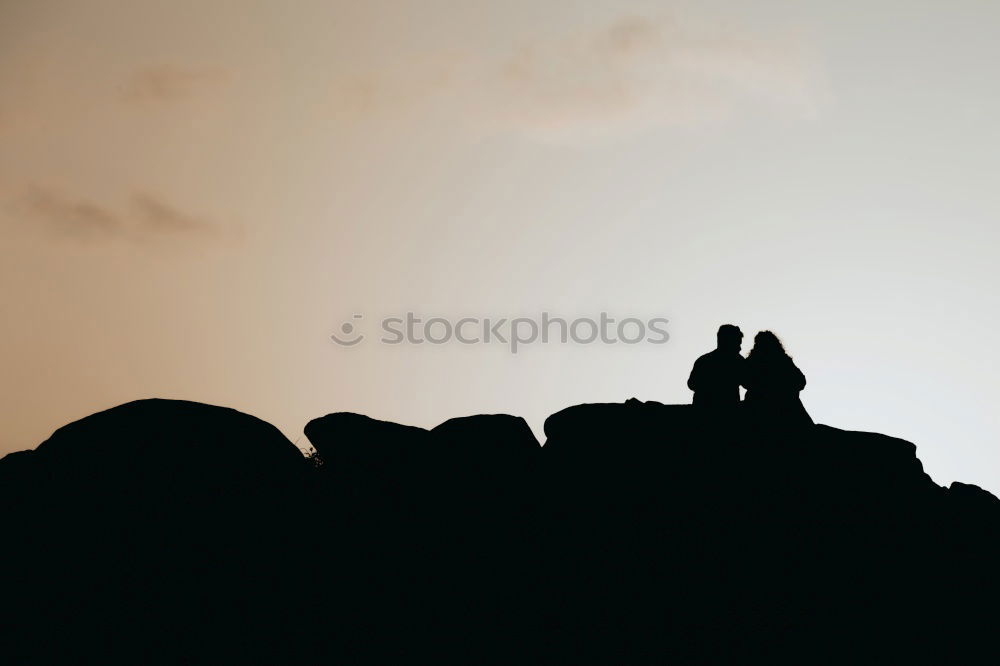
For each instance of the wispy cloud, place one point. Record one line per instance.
(171, 83)
(72, 218)
(158, 217)
(632, 74)
(146, 218)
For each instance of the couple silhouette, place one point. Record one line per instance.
(769, 375)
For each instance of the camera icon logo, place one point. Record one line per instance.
(348, 329)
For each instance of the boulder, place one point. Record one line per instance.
(491, 434)
(347, 441)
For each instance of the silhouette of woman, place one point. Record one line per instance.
(773, 383)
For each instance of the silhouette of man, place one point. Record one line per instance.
(716, 376)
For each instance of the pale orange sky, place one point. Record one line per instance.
(194, 195)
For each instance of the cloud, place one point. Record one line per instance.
(70, 218)
(146, 218)
(170, 83)
(632, 74)
(156, 216)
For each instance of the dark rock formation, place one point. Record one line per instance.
(151, 531)
(166, 531)
(497, 434)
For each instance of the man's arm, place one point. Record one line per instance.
(695, 376)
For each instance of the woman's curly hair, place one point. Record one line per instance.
(767, 343)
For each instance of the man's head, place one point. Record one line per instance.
(730, 338)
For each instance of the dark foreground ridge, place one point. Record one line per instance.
(174, 532)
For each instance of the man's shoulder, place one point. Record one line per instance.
(720, 355)
(724, 358)
(706, 357)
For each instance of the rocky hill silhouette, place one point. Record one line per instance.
(166, 531)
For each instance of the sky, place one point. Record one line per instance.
(195, 195)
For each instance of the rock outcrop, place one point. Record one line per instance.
(168, 531)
